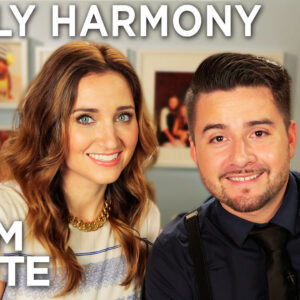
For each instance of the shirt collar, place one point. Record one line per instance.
(234, 227)
(287, 213)
(238, 229)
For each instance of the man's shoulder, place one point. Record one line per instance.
(296, 174)
(170, 271)
(175, 231)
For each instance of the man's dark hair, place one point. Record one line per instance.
(225, 71)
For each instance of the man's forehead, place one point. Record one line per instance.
(236, 89)
(246, 104)
(240, 96)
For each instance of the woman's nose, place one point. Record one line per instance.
(107, 135)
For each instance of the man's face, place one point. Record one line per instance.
(173, 103)
(242, 148)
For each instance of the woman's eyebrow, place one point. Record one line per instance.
(125, 107)
(83, 109)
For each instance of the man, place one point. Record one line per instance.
(242, 140)
(167, 119)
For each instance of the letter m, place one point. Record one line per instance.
(15, 229)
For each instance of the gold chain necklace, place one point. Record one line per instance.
(94, 225)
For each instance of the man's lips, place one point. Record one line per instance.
(244, 177)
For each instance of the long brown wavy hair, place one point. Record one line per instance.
(36, 151)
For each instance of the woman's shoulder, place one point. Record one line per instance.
(12, 204)
(151, 224)
(10, 190)
(153, 212)
(9, 186)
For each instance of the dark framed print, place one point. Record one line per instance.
(165, 76)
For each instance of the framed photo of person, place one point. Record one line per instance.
(42, 53)
(13, 71)
(165, 76)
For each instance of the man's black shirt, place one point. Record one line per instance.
(236, 263)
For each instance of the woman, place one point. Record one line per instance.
(76, 166)
(180, 128)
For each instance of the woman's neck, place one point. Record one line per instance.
(84, 198)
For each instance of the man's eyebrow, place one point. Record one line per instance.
(213, 126)
(247, 124)
(259, 122)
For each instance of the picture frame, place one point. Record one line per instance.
(150, 65)
(42, 53)
(13, 71)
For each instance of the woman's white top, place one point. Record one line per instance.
(98, 251)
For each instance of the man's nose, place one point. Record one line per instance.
(241, 153)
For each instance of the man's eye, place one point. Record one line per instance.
(259, 133)
(84, 119)
(217, 139)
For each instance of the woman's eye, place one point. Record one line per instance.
(125, 117)
(85, 119)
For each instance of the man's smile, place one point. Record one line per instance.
(242, 178)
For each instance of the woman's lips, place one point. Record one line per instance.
(105, 159)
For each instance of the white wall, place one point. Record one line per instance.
(276, 29)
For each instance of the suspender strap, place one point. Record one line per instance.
(198, 256)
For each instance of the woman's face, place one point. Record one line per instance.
(182, 111)
(103, 130)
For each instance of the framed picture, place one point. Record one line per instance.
(165, 76)
(4, 134)
(13, 71)
(42, 53)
